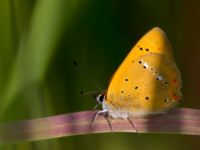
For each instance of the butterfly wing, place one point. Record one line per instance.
(151, 84)
(147, 80)
(154, 41)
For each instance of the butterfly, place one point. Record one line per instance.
(147, 81)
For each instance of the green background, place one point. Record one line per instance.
(40, 40)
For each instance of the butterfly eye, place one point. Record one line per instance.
(100, 98)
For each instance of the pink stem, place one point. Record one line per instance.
(177, 121)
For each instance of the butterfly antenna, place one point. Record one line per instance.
(98, 87)
(89, 93)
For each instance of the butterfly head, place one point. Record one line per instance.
(100, 98)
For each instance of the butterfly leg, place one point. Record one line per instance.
(109, 120)
(97, 114)
(95, 107)
(133, 124)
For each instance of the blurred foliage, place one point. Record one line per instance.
(40, 40)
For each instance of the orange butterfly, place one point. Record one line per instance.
(147, 82)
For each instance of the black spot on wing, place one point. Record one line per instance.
(166, 100)
(136, 87)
